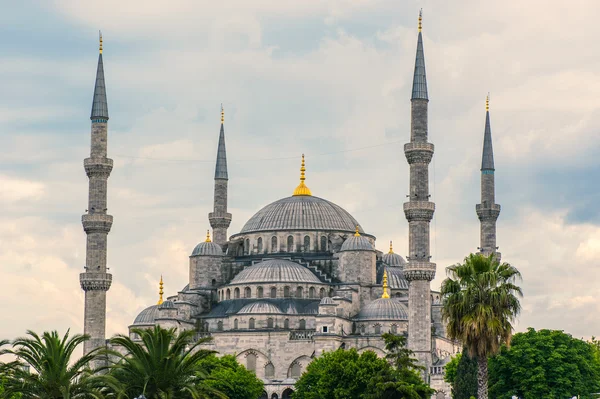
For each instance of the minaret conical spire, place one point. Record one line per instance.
(99, 104)
(219, 218)
(221, 167)
(487, 160)
(419, 89)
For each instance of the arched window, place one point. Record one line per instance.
(306, 243)
(322, 293)
(270, 322)
(273, 292)
(323, 243)
(213, 282)
(290, 244)
(299, 292)
(236, 293)
(331, 292)
(394, 329)
(287, 394)
(362, 329)
(377, 329)
(228, 294)
(295, 370)
(259, 292)
(247, 292)
(251, 362)
(302, 324)
(235, 324)
(311, 292)
(246, 247)
(264, 395)
(274, 244)
(259, 245)
(286, 324)
(398, 295)
(220, 326)
(274, 396)
(251, 323)
(269, 370)
(286, 292)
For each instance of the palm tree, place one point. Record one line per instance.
(50, 357)
(163, 365)
(480, 303)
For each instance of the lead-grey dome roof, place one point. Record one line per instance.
(207, 249)
(147, 316)
(275, 271)
(301, 212)
(357, 243)
(383, 309)
(393, 259)
(260, 307)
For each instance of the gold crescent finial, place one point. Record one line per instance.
(207, 236)
(385, 285)
(487, 102)
(222, 114)
(420, 20)
(302, 189)
(100, 33)
(391, 250)
(160, 291)
(356, 233)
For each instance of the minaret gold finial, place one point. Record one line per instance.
(302, 189)
(385, 286)
(100, 33)
(160, 291)
(391, 250)
(420, 20)
(222, 114)
(207, 236)
(487, 102)
(356, 233)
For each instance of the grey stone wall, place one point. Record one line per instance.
(357, 267)
(205, 269)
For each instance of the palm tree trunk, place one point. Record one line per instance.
(482, 377)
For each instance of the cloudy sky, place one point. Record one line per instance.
(330, 79)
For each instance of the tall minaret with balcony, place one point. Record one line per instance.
(419, 211)
(95, 281)
(219, 218)
(488, 211)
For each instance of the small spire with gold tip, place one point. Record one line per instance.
(302, 189)
(356, 233)
(385, 286)
(391, 250)
(222, 115)
(207, 236)
(420, 20)
(160, 292)
(487, 102)
(100, 33)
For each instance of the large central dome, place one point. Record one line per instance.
(301, 212)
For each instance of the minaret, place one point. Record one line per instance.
(219, 218)
(95, 281)
(419, 211)
(488, 211)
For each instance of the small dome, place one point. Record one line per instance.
(167, 305)
(147, 316)
(207, 249)
(275, 271)
(327, 301)
(383, 309)
(396, 278)
(357, 243)
(260, 307)
(393, 259)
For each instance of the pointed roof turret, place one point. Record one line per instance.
(99, 104)
(221, 168)
(419, 89)
(487, 160)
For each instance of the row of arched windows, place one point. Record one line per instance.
(377, 329)
(295, 370)
(270, 324)
(287, 293)
(289, 247)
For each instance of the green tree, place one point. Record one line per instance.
(465, 382)
(480, 302)
(234, 380)
(545, 364)
(163, 365)
(56, 374)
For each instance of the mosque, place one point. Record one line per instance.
(302, 276)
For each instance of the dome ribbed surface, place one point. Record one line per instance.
(147, 316)
(275, 271)
(259, 308)
(357, 243)
(301, 212)
(327, 301)
(167, 305)
(396, 278)
(207, 249)
(393, 260)
(383, 309)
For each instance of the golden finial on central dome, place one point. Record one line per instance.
(385, 286)
(207, 236)
(302, 189)
(160, 292)
(356, 233)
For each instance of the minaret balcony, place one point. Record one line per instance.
(92, 281)
(419, 210)
(487, 212)
(219, 219)
(417, 152)
(98, 167)
(96, 223)
(419, 270)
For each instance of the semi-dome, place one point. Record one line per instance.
(327, 301)
(357, 243)
(260, 307)
(275, 271)
(207, 248)
(393, 259)
(166, 305)
(301, 212)
(147, 316)
(383, 309)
